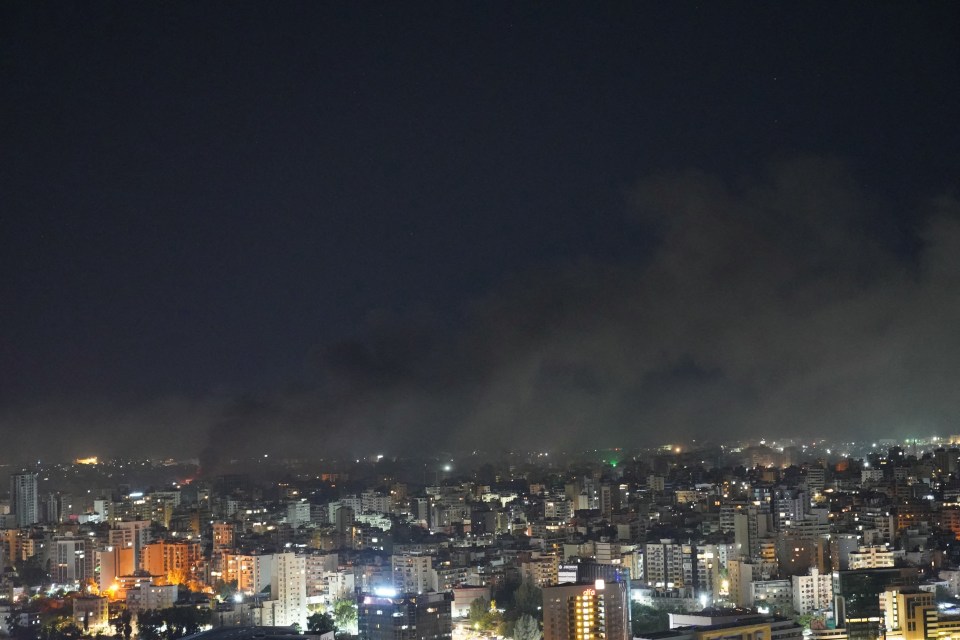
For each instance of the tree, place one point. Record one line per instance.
(528, 600)
(321, 623)
(344, 613)
(148, 624)
(60, 627)
(226, 590)
(123, 623)
(527, 628)
(31, 573)
(478, 612)
(645, 619)
(184, 621)
(483, 616)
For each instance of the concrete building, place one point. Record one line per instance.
(288, 590)
(134, 535)
(586, 611)
(788, 506)
(812, 592)
(669, 564)
(908, 612)
(872, 557)
(543, 571)
(856, 598)
(751, 627)
(91, 614)
(390, 616)
(112, 563)
(151, 597)
(23, 499)
(298, 513)
(241, 568)
(741, 576)
(175, 561)
(772, 595)
(71, 562)
(750, 525)
(412, 573)
(223, 537)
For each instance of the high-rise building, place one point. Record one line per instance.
(815, 479)
(750, 525)
(742, 574)
(813, 592)
(856, 597)
(223, 538)
(240, 568)
(542, 571)
(23, 498)
(596, 611)
(288, 590)
(133, 534)
(112, 562)
(73, 563)
(908, 612)
(670, 564)
(392, 616)
(173, 561)
(788, 506)
(412, 573)
(609, 499)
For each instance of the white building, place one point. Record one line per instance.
(412, 573)
(151, 596)
(775, 594)
(288, 590)
(813, 592)
(374, 502)
(669, 564)
(71, 560)
(873, 557)
(298, 513)
(607, 553)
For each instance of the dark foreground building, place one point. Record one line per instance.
(424, 616)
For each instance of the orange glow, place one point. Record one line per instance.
(90, 460)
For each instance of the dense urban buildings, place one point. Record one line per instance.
(844, 540)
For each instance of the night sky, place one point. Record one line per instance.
(300, 227)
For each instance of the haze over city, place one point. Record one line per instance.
(312, 227)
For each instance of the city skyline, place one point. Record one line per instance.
(786, 539)
(238, 229)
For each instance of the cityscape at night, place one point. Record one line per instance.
(472, 320)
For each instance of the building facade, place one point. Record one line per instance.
(593, 611)
(424, 616)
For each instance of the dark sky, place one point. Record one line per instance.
(304, 225)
